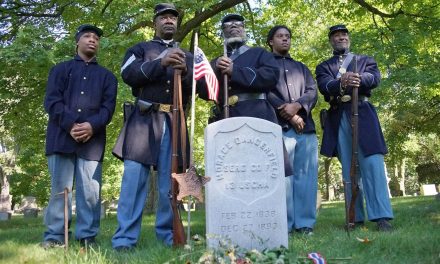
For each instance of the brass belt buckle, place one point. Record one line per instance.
(345, 98)
(232, 100)
(164, 108)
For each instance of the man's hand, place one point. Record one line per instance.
(174, 58)
(81, 132)
(298, 123)
(287, 111)
(351, 79)
(225, 65)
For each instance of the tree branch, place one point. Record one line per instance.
(59, 12)
(204, 15)
(105, 6)
(376, 11)
(186, 28)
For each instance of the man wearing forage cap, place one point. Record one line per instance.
(148, 68)
(251, 71)
(336, 78)
(80, 100)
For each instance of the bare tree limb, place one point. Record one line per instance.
(376, 11)
(186, 28)
(105, 6)
(204, 15)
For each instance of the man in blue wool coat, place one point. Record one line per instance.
(335, 78)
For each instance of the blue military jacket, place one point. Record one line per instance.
(254, 71)
(295, 84)
(141, 69)
(371, 139)
(79, 91)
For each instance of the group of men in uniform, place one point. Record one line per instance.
(80, 101)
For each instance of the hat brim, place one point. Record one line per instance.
(336, 30)
(167, 10)
(232, 17)
(97, 30)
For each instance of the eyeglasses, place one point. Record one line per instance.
(230, 23)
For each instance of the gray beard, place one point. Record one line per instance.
(233, 40)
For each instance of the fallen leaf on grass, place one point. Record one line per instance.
(364, 240)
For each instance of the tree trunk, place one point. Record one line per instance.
(402, 177)
(5, 198)
(395, 181)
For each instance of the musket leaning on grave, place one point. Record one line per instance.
(178, 230)
(350, 214)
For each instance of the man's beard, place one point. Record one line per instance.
(235, 40)
(341, 49)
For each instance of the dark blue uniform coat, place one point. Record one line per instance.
(77, 92)
(149, 81)
(254, 71)
(297, 85)
(371, 139)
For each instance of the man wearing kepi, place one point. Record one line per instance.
(80, 100)
(148, 69)
(294, 98)
(335, 78)
(252, 72)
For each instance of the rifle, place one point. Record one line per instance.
(350, 214)
(178, 230)
(225, 86)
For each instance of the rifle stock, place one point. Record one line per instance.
(354, 154)
(178, 230)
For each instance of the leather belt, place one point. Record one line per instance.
(146, 106)
(233, 99)
(347, 98)
(162, 107)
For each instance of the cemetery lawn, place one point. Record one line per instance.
(415, 239)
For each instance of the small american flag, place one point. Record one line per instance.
(202, 68)
(316, 258)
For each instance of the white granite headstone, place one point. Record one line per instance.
(428, 189)
(245, 199)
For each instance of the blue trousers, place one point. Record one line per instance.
(372, 178)
(302, 186)
(63, 168)
(134, 191)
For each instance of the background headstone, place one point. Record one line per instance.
(30, 213)
(245, 199)
(428, 189)
(29, 207)
(4, 216)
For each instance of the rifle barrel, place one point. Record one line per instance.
(354, 151)
(225, 87)
(178, 230)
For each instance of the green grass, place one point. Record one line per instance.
(416, 239)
